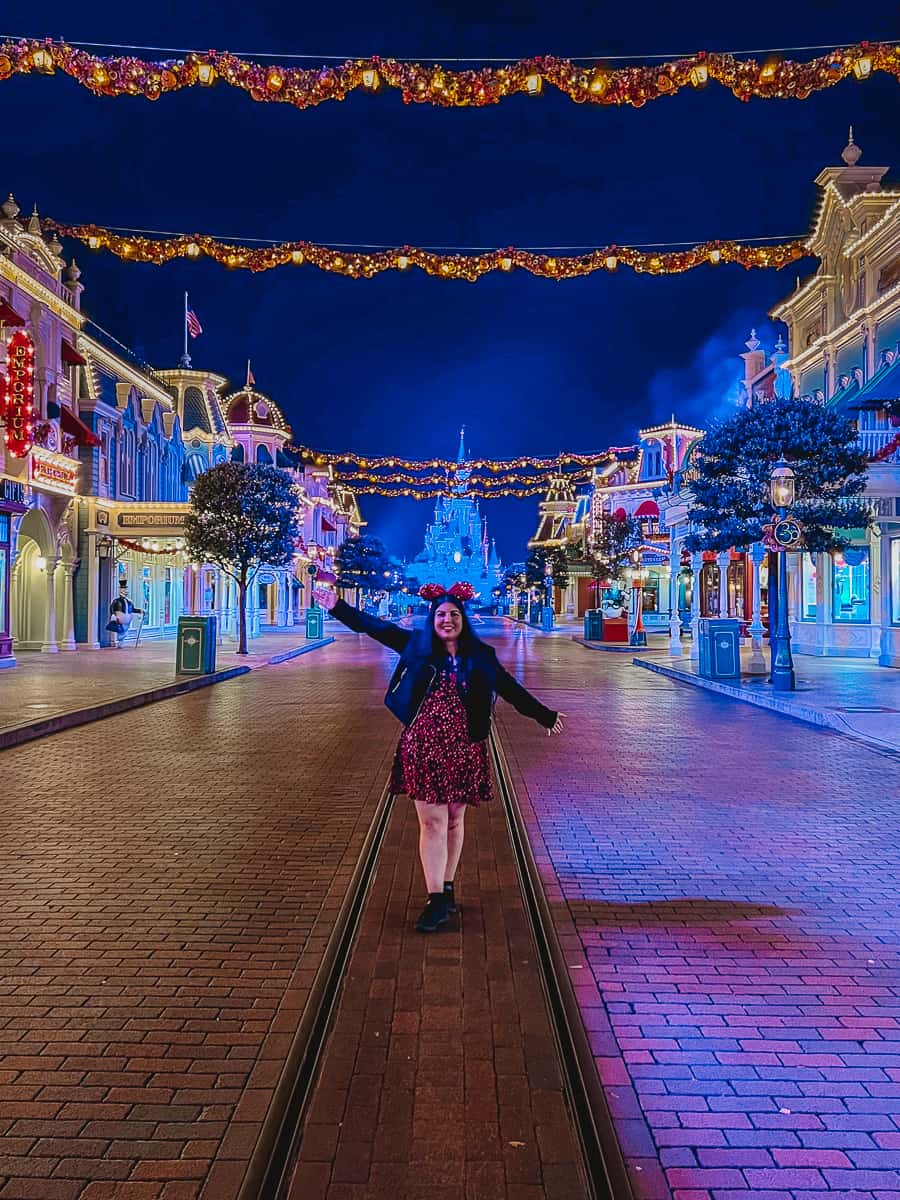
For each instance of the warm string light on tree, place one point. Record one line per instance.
(583, 81)
(366, 263)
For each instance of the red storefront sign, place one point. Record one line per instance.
(18, 401)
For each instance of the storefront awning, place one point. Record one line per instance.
(882, 387)
(8, 315)
(76, 428)
(846, 395)
(648, 509)
(70, 355)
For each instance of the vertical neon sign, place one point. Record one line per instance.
(18, 407)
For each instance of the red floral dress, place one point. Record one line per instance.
(436, 761)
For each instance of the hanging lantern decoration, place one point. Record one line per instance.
(18, 407)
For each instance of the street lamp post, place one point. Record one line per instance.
(782, 491)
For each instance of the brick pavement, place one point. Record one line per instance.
(168, 879)
(47, 685)
(725, 881)
(440, 1079)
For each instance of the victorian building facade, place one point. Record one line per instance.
(98, 459)
(844, 326)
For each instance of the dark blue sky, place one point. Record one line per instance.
(395, 365)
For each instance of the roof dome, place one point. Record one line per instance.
(249, 407)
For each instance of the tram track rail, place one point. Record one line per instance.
(269, 1172)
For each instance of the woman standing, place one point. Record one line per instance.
(443, 691)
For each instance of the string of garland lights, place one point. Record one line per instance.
(398, 477)
(583, 81)
(432, 493)
(365, 262)
(321, 458)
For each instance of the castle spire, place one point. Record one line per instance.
(461, 456)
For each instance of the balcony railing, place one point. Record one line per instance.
(872, 441)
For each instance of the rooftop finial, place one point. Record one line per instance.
(461, 456)
(852, 153)
(753, 342)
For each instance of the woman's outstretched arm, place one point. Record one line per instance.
(522, 701)
(390, 635)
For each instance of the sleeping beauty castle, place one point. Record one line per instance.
(456, 541)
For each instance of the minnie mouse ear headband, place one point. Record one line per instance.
(459, 591)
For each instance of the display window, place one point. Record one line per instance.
(895, 580)
(850, 587)
(808, 578)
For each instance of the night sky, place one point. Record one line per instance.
(396, 364)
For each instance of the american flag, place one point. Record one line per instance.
(193, 325)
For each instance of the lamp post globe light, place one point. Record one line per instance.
(782, 491)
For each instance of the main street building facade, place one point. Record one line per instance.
(98, 458)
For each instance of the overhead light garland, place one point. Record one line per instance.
(432, 493)
(365, 263)
(398, 477)
(321, 458)
(583, 81)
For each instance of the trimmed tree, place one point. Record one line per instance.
(242, 516)
(361, 563)
(733, 465)
(613, 544)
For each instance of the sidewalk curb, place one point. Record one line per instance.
(111, 708)
(298, 650)
(613, 648)
(799, 712)
(96, 712)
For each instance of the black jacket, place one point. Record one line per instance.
(417, 671)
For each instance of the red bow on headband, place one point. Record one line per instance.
(459, 591)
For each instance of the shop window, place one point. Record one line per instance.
(850, 599)
(736, 579)
(650, 601)
(709, 590)
(895, 581)
(808, 575)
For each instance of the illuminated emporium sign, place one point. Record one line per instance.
(152, 520)
(52, 474)
(18, 408)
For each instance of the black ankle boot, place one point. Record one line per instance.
(434, 914)
(450, 898)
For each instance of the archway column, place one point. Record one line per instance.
(67, 621)
(675, 650)
(50, 645)
(696, 567)
(756, 629)
(723, 562)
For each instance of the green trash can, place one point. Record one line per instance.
(314, 623)
(593, 625)
(720, 648)
(195, 652)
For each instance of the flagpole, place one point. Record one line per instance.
(186, 361)
(247, 388)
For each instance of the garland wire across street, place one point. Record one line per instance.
(585, 80)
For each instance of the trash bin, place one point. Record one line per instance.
(720, 648)
(195, 647)
(314, 622)
(546, 618)
(593, 625)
